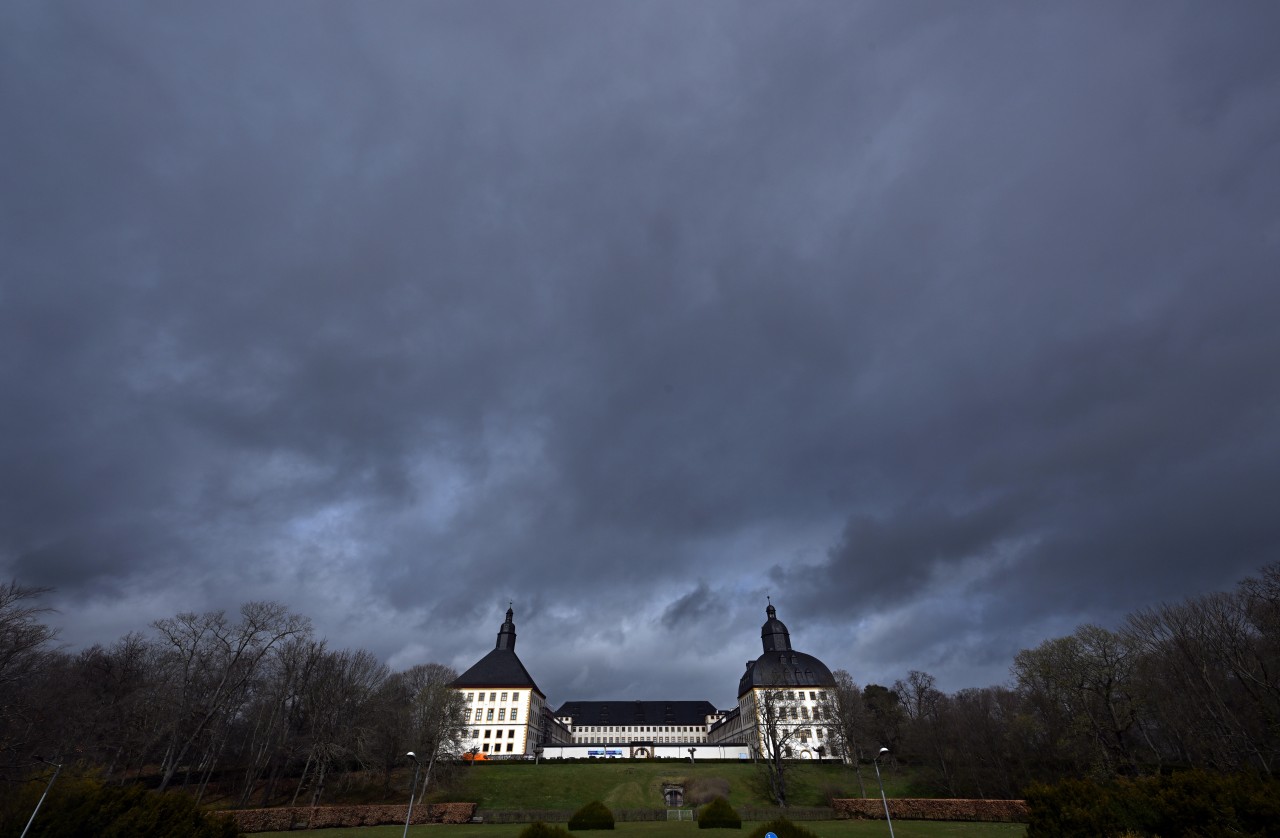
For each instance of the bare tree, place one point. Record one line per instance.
(437, 715)
(26, 653)
(24, 640)
(849, 718)
(778, 724)
(211, 661)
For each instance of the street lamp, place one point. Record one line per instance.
(883, 799)
(57, 769)
(691, 750)
(413, 788)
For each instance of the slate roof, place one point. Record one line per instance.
(499, 668)
(655, 713)
(785, 669)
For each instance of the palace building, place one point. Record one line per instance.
(783, 704)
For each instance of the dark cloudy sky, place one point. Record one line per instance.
(949, 325)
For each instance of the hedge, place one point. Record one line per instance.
(284, 818)
(925, 809)
(595, 815)
(1186, 803)
(718, 814)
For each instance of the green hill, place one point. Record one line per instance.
(637, 785)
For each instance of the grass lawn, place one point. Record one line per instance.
(684, 829)
(638, 785)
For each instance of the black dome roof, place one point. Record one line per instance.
(785, 669)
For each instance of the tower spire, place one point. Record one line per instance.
(507, 634)
(773, 634)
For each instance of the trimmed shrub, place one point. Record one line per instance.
(718, 814)
(1187, 803)
(783, 828)
(543, 830)
(595, 815)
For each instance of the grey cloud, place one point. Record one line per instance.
(415, 309)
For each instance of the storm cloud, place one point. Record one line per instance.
(949, 328)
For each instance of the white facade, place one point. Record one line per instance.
(501, 721)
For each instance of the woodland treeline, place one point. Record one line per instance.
(255, 707)
(253, 702)
(1189, 685)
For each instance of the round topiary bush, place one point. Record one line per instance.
(543, 830)
(783, 828)
(718, 814)
(595, 815)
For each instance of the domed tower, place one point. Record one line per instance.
(783, 698)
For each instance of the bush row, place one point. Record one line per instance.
(326, 817)
(78, 806)
(1188, 803)
(924, 809)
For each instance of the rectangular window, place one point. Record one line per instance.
(498, 735)
(468, 715)
(493, 696)
(793, 713)
(510, 746)
(502, 714)
(486, 734)
(804, 712)
(486, 747)
(511, 734)
(504, 696)
(471, 696)
(514, 713)
(475, 734)
(489, 716)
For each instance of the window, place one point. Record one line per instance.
(793, 713)
(504, 696)
(486, 735)
(468, 715)
(510, 745)
(489, 716)
(493, 696)
(475, 734)
(804, 712)
(813, 696)
(498, 735)
(822, 695)
(502, 714)
(511, 734)
(514, 712)
(486, 747)
(471, 696)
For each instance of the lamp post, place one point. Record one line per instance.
(413, 788)
(57, 769)
(883, 799)
(691, 750)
